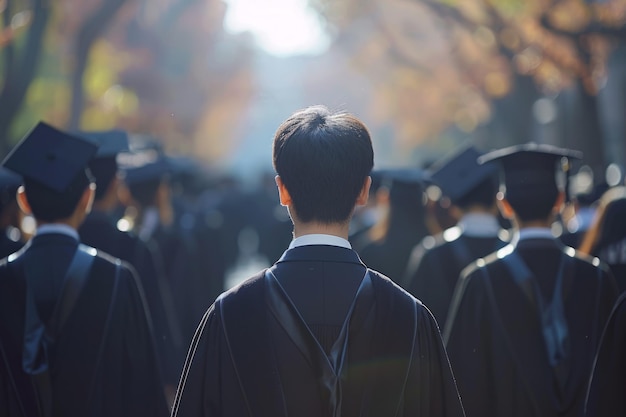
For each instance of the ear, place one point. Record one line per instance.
(505, 208)
(559, 204)
(86, 200)
(22, 201)
(283, 194)
(364, 195)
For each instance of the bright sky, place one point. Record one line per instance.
(281, 27)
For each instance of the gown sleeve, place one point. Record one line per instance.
(198, 389)
(431, 388)
(608, 382)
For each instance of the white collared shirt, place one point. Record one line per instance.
(479, 225)
(532, 233)
(63, 229)
(320, 239)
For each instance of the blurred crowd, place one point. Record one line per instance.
(191, 233)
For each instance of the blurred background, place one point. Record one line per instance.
(213, 79)
(208, 81)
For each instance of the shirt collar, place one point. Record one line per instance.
(320, 239)
(479, 225)
(532, 233)
(59, 228)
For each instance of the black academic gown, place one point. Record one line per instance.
(265, 347)
(437, 262)
(8, 242)
(607, 390)
(102, 362)
(496, 340)
(97, 231)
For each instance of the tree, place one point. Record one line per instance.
(20, 54)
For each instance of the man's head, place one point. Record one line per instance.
(468, 185)
(323, 160)
(533, 179)
(57, 183)
(103, 166)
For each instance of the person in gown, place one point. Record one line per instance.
(525, 322)
(436, 263)
(11, 238)
(606, 397)
(75, 338)
(318, 333)
(99, 230)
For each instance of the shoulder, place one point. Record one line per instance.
(485, 264)
(444, 238)
(389, 290)
(244, 291)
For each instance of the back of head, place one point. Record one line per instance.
(323, 159)
(49, 205)
(104, 165)
(54, 167)
(533, 177)
(144, 175)
(9, 184)
(611, 214)
(466, 182)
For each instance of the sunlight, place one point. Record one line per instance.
(280, 27)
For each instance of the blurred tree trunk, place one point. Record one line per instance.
(87, 35)
(20, 66)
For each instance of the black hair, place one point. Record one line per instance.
(483, 194)
(104, 171)
(49, 205)
(323, 159)
(144, 192)
(533, 202)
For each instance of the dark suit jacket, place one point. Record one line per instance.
(95, 369)
(263, 348)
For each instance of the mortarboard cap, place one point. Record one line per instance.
(459, 173)
(111, 142)
(9, 179)
(144, 166)
(50, 157)
(404, 184)
(9, 183)
(531, 164)
(408, 175)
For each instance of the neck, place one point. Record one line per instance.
(105, 205)
(67, 222)
(334, 229)
(534, 223)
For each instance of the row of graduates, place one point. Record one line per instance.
(75, 331)
(174, 257)
(521, 337)
(522, 314)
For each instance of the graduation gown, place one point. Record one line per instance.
(97, 231)
(102, 361)
(608, 383)
(8, 242)
(317, 336)
(513, 353)
(436, 264)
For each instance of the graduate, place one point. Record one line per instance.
(387, 245)
(75, 338)
(525, 322)
(436, 263)
(608, 383)
(318, 333)
(99, 230)
(11, 238)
